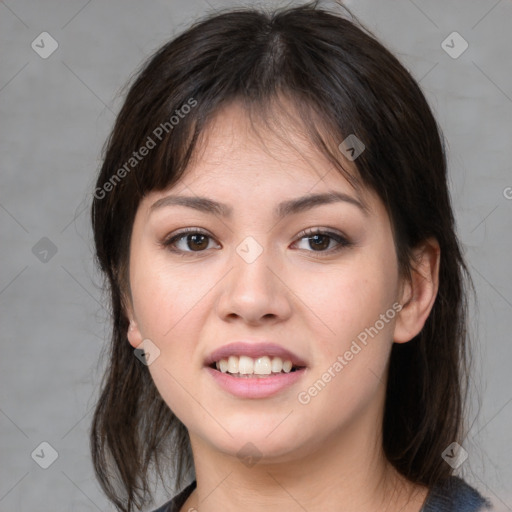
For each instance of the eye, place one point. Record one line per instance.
(321, 241)
(188, 240)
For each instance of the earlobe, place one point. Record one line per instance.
(419, 293)
(134, 335)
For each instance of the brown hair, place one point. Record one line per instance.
(342, 81)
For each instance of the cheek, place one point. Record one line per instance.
(165, 296)
(344, 301)
(168, 303)
(351, 363)
(356, 302)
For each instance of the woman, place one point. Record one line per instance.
(287, 288)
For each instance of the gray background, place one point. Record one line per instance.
(56, 113)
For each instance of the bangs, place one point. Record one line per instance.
(177, 137)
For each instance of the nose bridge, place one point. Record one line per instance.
(252, 275)
(253, 290)
(249, 250)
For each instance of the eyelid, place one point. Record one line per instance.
(175, 236)
(185, 231)
(340, 238)
(320, 231)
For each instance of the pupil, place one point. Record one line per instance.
(320, 246)
(199, 245)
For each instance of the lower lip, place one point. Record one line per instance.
(255, 387)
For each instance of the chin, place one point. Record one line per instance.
(259, 438)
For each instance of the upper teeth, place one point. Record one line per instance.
(247, 365)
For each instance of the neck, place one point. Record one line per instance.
(344, 473)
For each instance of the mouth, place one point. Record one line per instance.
(255, 369)
(258, 359)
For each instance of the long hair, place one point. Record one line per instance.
(342, 82)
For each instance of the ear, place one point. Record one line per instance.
(419, 293)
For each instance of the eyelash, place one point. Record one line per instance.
(342, 241)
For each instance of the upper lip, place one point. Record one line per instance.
(254, 350)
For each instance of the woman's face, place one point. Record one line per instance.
(252, 277)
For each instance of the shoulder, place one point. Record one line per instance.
(455, 495)
(177, 502)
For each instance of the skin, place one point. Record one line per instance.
(323, 455)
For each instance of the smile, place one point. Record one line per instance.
(254, 368)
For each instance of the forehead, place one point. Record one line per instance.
(245, 149)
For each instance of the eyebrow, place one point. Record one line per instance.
(290, 207)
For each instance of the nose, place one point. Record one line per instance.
(254, 291)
